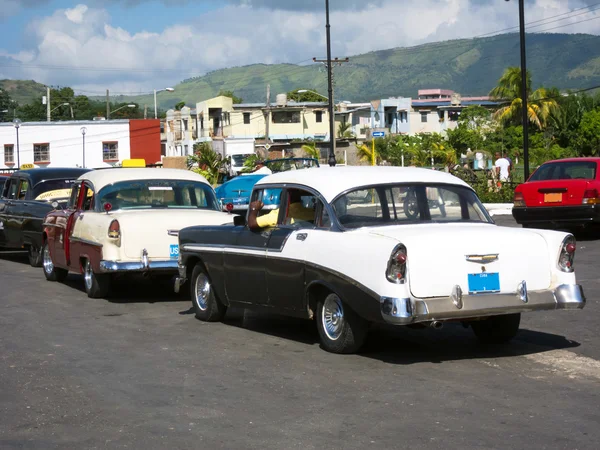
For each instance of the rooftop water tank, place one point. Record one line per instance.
(281, 99)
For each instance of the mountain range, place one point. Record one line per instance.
(468, 66)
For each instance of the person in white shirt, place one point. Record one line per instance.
(502, 167)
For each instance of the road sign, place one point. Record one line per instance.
(378, 134)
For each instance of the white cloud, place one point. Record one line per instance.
(79, 46)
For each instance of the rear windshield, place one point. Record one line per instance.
(53, 189)
(408, 203)
(565, 170)
(168, 194)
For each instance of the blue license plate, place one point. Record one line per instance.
(174, 251)
(484, 282)
(239, 201)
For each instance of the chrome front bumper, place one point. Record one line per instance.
(181, 279)
(404, 311)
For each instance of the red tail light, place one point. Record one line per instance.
(229, 207)
(396, 268)
(591, 197)
(566, 258)
(519, 200)
(114, 230)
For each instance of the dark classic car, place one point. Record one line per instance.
(27, 197)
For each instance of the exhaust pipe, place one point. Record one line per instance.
(436, 324)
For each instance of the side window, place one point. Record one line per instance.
(88, 198)
(300, 209)
(23, 189)
(12, 189)
(269, 213)
(74, 196)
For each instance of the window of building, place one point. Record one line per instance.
(286, 116)
(41, 153)
(404, 116)
(185, 124)
(441, 115)
(110, 151)
(186, 149)
(319, 116)
(9, 154)
(424, 117)
(246, 118)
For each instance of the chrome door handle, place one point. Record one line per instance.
(301, 236)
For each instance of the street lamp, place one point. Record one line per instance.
(83, 131)
(62, 104)
(124, 106)
(524, 88)
(303, 91)
(159, 90)
(17, 124)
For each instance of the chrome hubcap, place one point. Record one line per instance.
(202, 290)
(47, 261)
(87, 275)
(333, 317)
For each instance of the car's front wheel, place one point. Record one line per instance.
(497, 329)
(96, 285)
(51, 272)
(341, 329)
(207, 306)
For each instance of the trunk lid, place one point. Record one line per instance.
(554, 192)
(149, 229)
(441, 256)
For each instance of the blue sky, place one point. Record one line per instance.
(137, 45)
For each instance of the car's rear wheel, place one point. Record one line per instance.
(96, 285)
(207, 306)
(51, 272)
(497, 329)
(35, 256)
(341, 330)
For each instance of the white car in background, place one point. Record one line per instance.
(120, 221)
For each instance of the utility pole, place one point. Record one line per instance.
(267, 118)
(524, 90)
(329, 64)
(48, 104)
(107, 105)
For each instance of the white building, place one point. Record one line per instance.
(61, 144)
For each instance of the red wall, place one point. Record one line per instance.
(144, 139)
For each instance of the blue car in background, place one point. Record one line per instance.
(235, 193)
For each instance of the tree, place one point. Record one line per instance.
(588, 140)
(179, 105)
(207, 162)
(345, 130)
(309, 96)
(7, 104)
(311, 150)
(539, 104)
(236, 100)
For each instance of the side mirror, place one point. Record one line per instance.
(55, 204)
(239, 221)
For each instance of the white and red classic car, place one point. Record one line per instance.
(125, 220)
(413, 247)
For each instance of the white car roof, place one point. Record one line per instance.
(332, 181)
(104, 177)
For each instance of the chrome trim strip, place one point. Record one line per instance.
(85, 241)
(115, 266)
(173, 232)
(404, 311)
(482, 259)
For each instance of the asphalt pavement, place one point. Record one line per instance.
(138, 371)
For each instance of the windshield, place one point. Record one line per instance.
(284, 165)
(239, 160)
(51, 190)
(565, 170)
(408, 204)
(169, 194)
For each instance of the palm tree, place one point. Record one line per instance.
(539, 103)
(365, 153)
(209, 163)
(344, 131)
(311, 150)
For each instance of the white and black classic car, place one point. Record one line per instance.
(419, 250)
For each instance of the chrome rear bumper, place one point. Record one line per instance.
(404, 311)
(138, 266)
